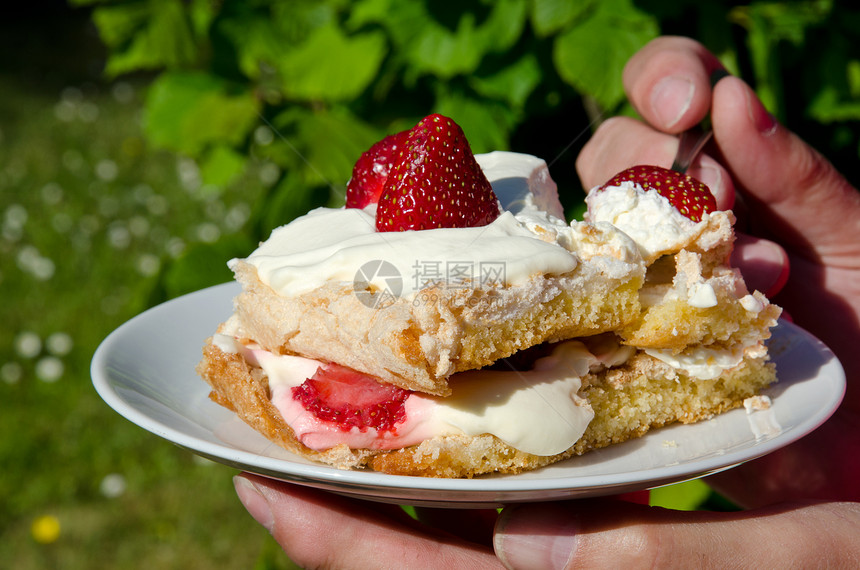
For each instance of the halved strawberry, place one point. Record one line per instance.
(371, 170)
(351, 399)
(690, 196)
(435, 182)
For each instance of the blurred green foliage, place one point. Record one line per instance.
(328, 78)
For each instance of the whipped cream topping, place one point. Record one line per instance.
(536, 411)
(522, 184)
(333, 244)
(529, 238)
(646, 216)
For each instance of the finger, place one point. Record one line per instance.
(622, 142)
(792, 191)
(669, 82)
(321, 530)
(608, 534)
(763, 264)
(471, 525)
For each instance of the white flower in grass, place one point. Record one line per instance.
(189, 174)
(59, 343)
(148, 264)
(263, 135)
(118, 235)
(52, 193)
(28, 344)
(208, 232)
(123, 92)
(175, 247)
(65, 111)
(72, 95)
(269, 173)
(138, 226)
(88, 112)
(11, 372)
(15, 215)
(237, 216)
(32, 262)
(157, 205)
(107, 170)
(49, 369)
(113, 485)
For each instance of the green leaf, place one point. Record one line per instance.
(331, 66)
(687, 496)
(550, 16)
(221, 166)
(324, 144)
(513, 83)
(203, 265)
(487, 125)
(188, 111)
(591, 55)
(146, 35)
(257, 41)
(444, 48)
(117, 24)
(290, 199)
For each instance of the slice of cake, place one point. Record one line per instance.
(450, 323)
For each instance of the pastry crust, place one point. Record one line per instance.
(628, 401)
(418, 343)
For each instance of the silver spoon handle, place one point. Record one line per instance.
(689, 146)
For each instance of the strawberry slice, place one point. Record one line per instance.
(351, 399)
(435, 182)
(690, 196)
(371, 171)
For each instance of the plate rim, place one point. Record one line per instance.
(316, 475)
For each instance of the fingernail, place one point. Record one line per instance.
(254, 501)
(670, 99)
(764, 122)
(712, 177)
(541, 537)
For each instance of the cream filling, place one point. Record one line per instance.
(707, 363)
(537, 411)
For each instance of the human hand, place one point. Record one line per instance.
(789, 194)
(321, 530)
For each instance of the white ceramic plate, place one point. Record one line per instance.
(145, 371)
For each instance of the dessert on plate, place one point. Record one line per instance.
(449, 322)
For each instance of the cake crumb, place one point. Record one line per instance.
(670, 443)
(757, 404)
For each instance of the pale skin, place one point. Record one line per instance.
(803, 502)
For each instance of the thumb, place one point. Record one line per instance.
(794, 192)
(611, 534)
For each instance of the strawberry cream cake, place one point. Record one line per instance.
(448, 322)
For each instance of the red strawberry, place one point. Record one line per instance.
(690, 196)
(351, 399)
(371, 171)
(435, 182)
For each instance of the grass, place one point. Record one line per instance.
(90, 219)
